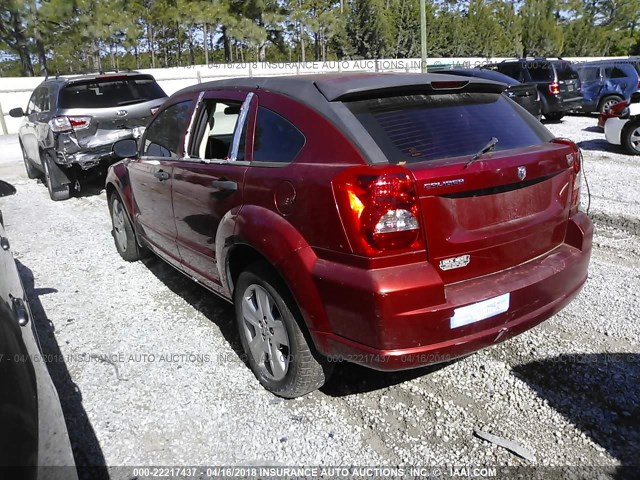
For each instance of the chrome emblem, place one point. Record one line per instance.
(570, 159)
(522, 173)
(456, 262)
(121, 113)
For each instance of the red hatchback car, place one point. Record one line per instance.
(391, 220)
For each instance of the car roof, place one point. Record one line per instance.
(95, 76)
(486, 74)
(325, 93)
(321, 88)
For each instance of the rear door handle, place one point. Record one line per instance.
(161, 175)
(4, 243)
(225, 185)
(20, 310)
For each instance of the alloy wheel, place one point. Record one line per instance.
(265, 332)
(119, 231)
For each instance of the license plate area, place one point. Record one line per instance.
(479, 311)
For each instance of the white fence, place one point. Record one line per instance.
(15, 91)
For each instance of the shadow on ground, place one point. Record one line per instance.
(599, 394)
(87, 453)
(217, 310)
(350, 379)
(347, 378)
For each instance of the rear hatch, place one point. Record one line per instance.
(107, 105)
(504, 208)
(568, 81)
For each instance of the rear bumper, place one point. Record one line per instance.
(89, 152)
(558, 104)
(406, 324)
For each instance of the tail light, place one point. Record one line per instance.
(379, 210)
(66, 124)
(574, 160)
(554, 88)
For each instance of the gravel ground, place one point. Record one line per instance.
(151, 372)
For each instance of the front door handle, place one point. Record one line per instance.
(20, 310)
(4, 243)
(225, 185)
(161, 175)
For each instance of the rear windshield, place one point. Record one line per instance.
(417, 128)
(566, 71)
(110, 92)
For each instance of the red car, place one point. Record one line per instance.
(614, 111)
(391, 220)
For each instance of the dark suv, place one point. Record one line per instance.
(391, 220)
(557, 80)
(607, 82)
(70, 125)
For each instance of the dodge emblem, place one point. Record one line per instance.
(522, 172)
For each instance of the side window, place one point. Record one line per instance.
(276, 139)
(218, 120)
(162, 137)
(512, 70)
(31, 107)
(540, 71)
(590, 74)
(42, 99)
(614, 72)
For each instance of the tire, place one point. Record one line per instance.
(554, 116)
(122, 231)
(275, 347)
(32, 172)
(56, 192)
(631, 137)
(608, 102)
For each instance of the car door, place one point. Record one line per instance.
(18, 384)
(209, 185)
(151, 178)
(28, 133)
(591, 78)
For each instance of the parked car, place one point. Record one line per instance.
(524, 94)
(625, 129)
(70, 125)
(607, 82)
(33, 432)
(391, 220)
(557, 80)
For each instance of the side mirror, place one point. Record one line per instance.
(126, 148)
(16, 112)
(6, 189)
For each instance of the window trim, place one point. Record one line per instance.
(240, 96)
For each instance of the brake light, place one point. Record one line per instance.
(66, 124)
(574, 160)
(379, 210)
(554, 88)
(78, 123)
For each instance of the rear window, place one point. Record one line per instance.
(566, 71)
(540, 71)
(110, 92)
(418, 128)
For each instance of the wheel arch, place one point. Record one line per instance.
(263, 235)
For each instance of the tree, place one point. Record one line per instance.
(541, 35)
(369, 27)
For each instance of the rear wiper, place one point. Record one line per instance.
(487, 148)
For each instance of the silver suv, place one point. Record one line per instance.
(71, 124)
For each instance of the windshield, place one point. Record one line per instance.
(110, 92)
(416, 128)
(566, 71)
